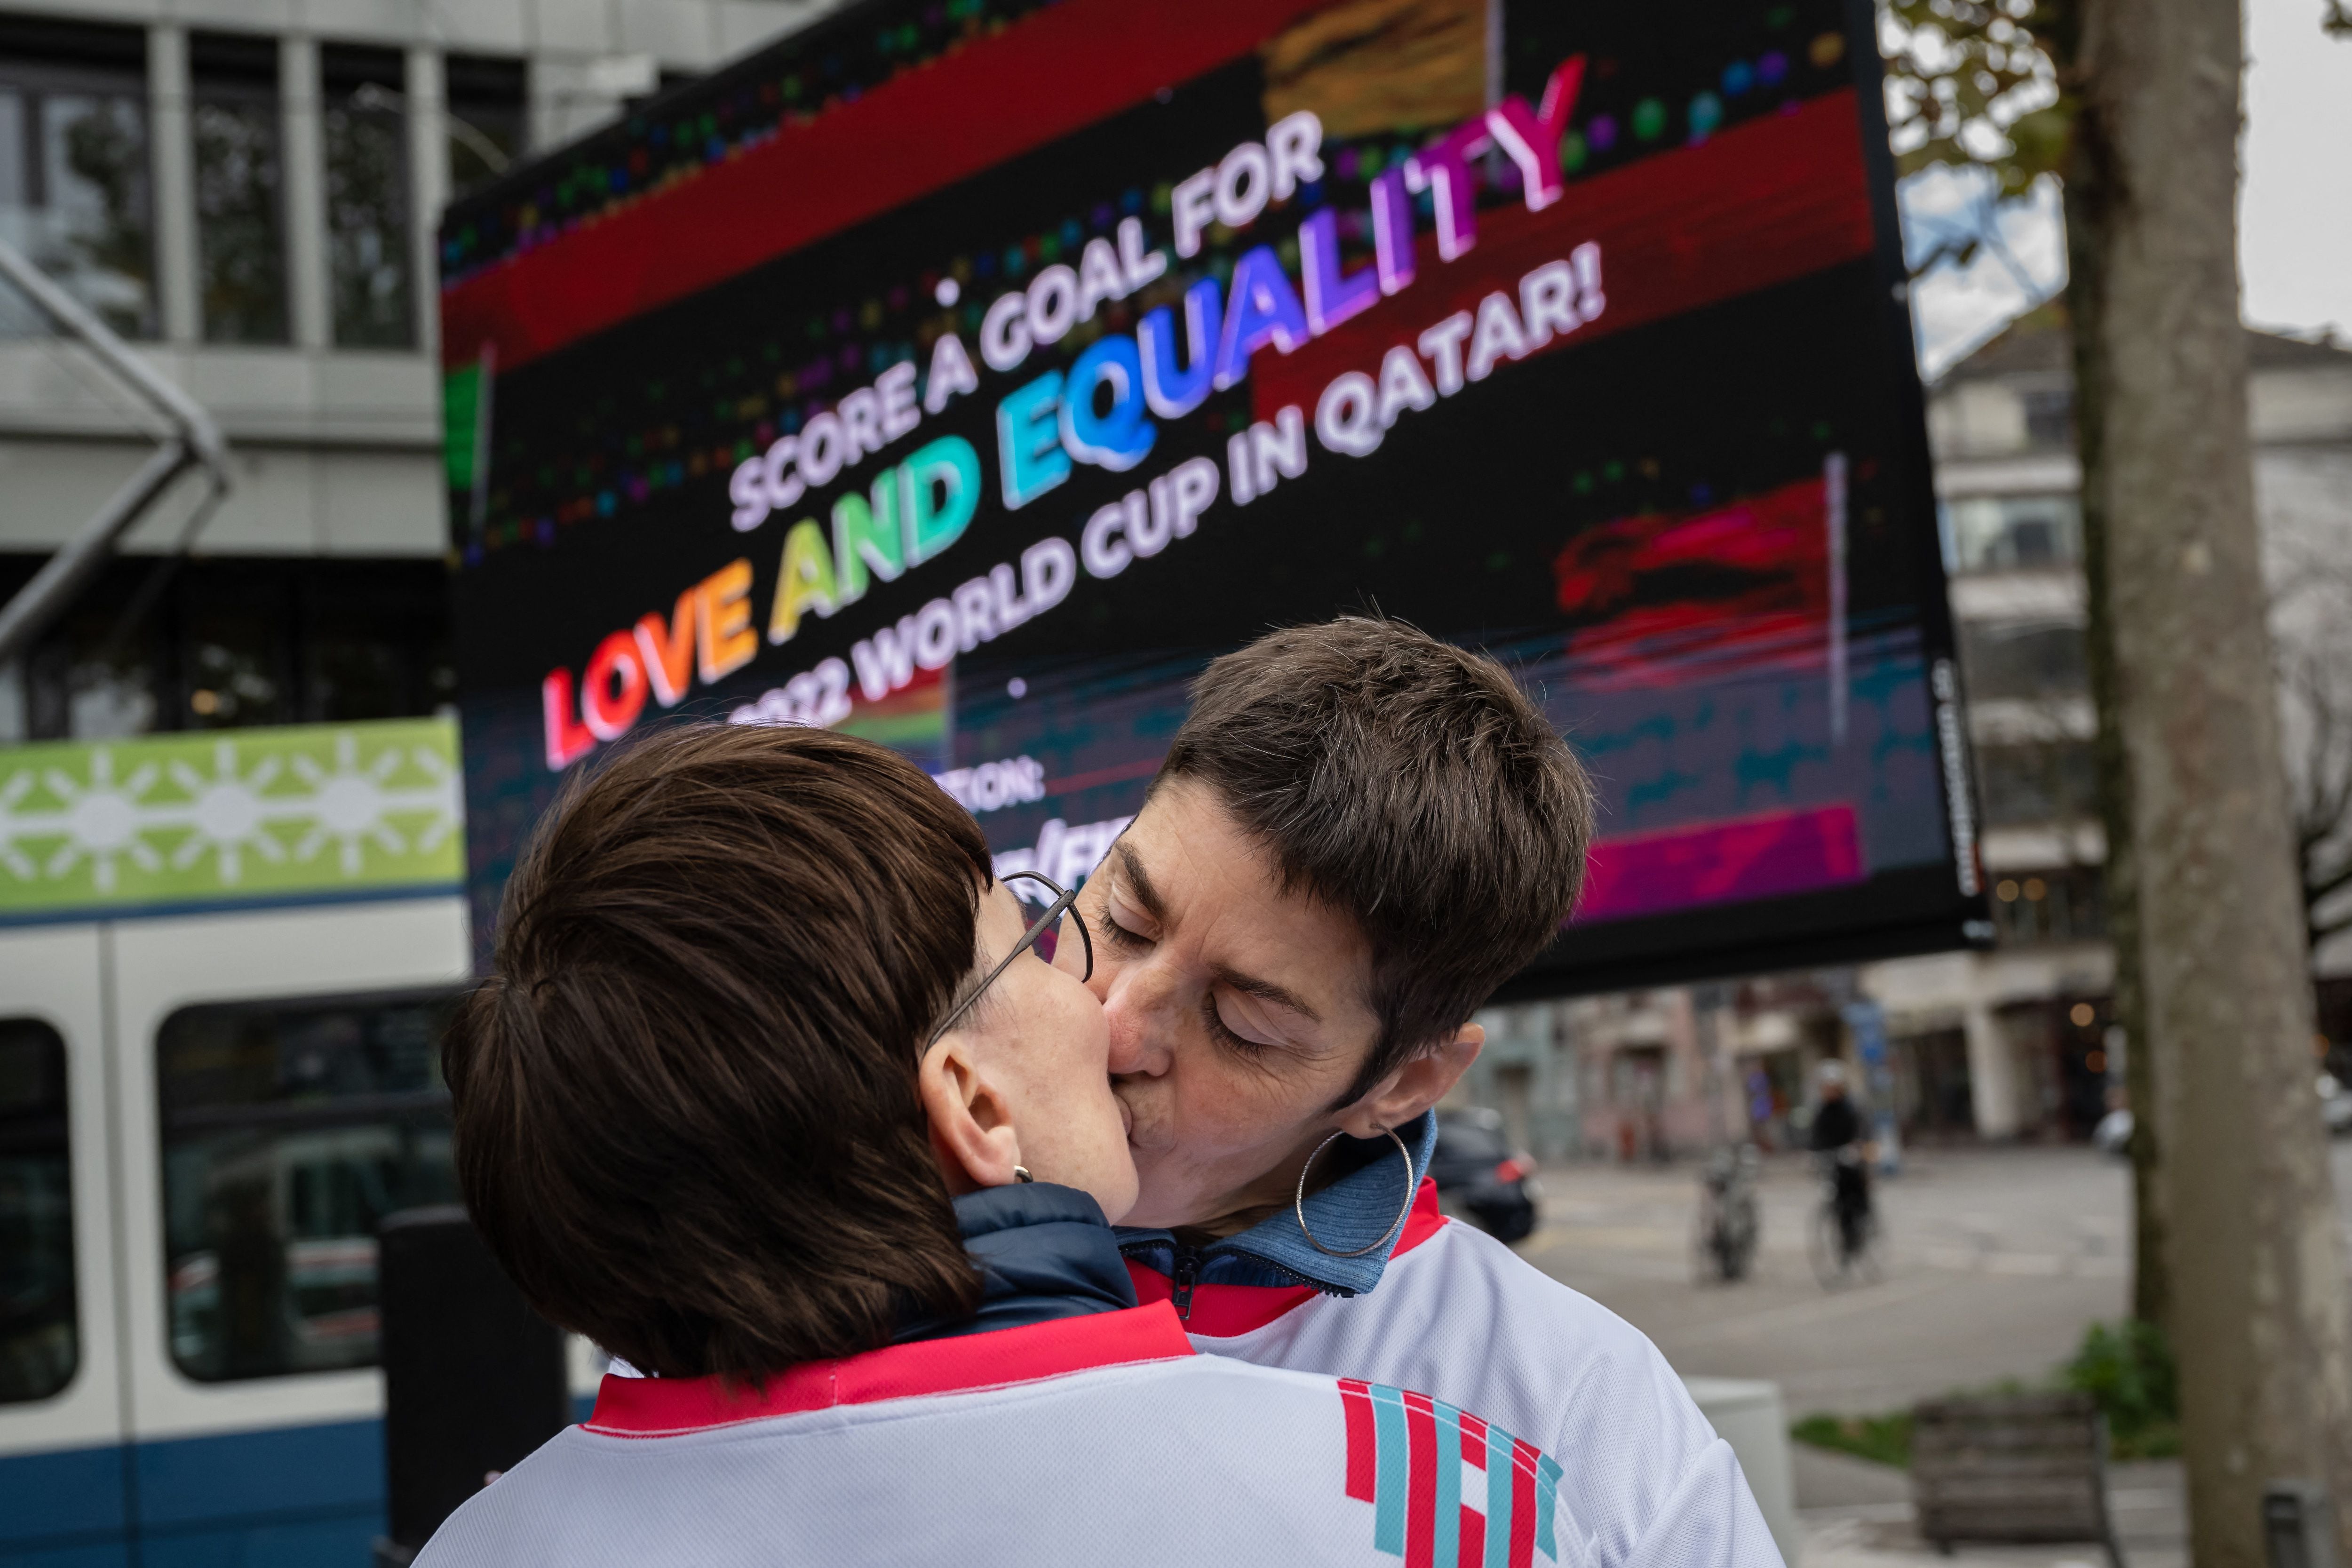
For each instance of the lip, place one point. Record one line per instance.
(1145, 1135)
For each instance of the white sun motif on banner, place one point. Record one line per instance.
(102, 820)
(349, 803)
(226, 813)
(251, 812)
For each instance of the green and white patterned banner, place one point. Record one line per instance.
(267, 815)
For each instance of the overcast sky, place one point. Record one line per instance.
(2294, 230)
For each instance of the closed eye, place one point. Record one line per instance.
(1106, 925)
(1248, 1047)
(1118, 935)
(1223, 1032)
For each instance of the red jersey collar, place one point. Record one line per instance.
(666, 1406)
(1219, 1311)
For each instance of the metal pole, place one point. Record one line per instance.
(66, 573)
(189, 422)
(195, 442)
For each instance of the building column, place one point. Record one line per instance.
(1554, 1076)
(172, 158)
(554, 89)
(307, 290)
(1993, 1088)
(1718, 1069)
(428, 188)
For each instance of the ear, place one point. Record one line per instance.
(970, 1124)
(1421, 1082)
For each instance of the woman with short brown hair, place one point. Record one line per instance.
(779, 1094)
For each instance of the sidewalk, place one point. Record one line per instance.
(1995, 1261)
(1858, 1515)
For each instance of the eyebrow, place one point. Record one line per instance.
(1267, 991)
(1130, 866)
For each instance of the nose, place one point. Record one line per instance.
(1138, 1005)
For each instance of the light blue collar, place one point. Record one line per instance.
(1349, 1212)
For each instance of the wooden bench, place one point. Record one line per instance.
(2015, 1467)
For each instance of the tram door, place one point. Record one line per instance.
(282, 1093)
(61, 1395)
(202, 1119)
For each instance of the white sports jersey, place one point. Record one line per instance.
(1087, 1440)
(1646, 1483)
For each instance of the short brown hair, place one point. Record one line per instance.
(1410, 783)
(686, 1118)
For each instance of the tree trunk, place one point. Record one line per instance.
(2257, 1281)
(2086, 314)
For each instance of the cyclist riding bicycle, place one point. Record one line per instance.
(1837, 1137)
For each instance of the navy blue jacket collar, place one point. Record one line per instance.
(1044, 1252)
(1349, 1213)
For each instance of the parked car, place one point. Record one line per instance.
(1480, 1178)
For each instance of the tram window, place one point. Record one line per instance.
(291, 1129)
(39, 1345)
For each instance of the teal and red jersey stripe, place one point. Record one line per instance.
(1447, 1489)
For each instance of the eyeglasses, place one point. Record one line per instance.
(1045, 936)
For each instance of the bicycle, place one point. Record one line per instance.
(1729, 1225)
(1843, 1239)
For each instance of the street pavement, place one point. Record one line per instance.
(1995, 1260)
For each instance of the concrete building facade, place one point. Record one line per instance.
(2029, 1018)
(248, 190)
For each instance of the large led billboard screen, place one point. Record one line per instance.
(967, 372)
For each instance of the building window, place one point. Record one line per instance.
(82, 684)
(1933, 1090)
(365, 131)
(290, 1129)
(74, 189)
(235, 648)
(2030, 782)
(2006, 533)
(2061, 1044)
(223, 644)
(240, 187)
(666, 81)
(488, 120)
(368, 647)
(41, 1344)
(2024, 661)
(2063, 905)
(2049, 416)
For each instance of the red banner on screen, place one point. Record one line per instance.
(1045, 77)
(1647, 595)
(1765, 202)
(1722, 863)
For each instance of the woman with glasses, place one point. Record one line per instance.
(779, 1095)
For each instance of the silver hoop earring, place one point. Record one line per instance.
(1021, 1173)
(1412, 1189)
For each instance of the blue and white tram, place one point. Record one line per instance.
(210, 1092)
